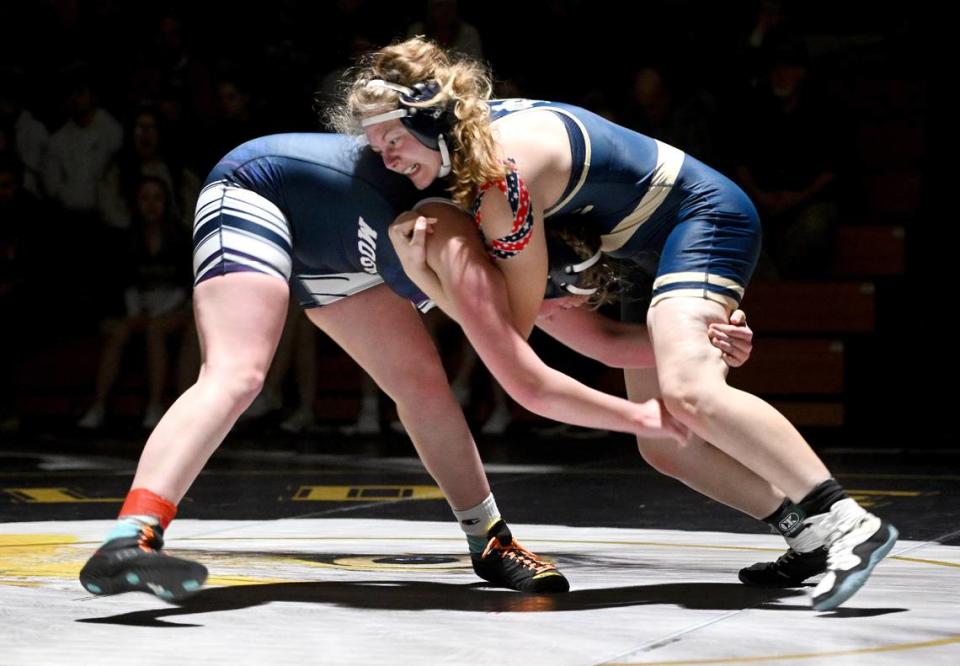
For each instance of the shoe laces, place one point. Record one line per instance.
(788, 556)
(514, 551)
(148, 540)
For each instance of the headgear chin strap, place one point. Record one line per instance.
(427, 123)
(565, 270)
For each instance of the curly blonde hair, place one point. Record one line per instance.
(475, 157)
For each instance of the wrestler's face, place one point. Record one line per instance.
(402, 152)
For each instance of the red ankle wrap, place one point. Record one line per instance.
(143, 502)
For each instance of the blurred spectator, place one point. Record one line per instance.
(443, 25)
(327, 89)
(659, 109)
(770, 24)
(145, 153)
(235, 120)
(29, 137)
(598, 102)
(77, 156)
(181, 128)
(168, 61)
(82, 148)
(788, 164)
(330, 28)
(157, 296)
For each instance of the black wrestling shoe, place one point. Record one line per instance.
(506, 563)
(138, 564)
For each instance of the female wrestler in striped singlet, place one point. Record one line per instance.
(307, 212)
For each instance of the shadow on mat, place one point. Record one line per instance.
(419, 595)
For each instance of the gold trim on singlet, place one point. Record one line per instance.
(587, 153)
(669, 161)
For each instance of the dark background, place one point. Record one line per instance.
(871, 69)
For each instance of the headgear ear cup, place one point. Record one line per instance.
(566, 270)
(428, 124)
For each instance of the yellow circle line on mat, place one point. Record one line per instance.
(41, 541)
(575, 542)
